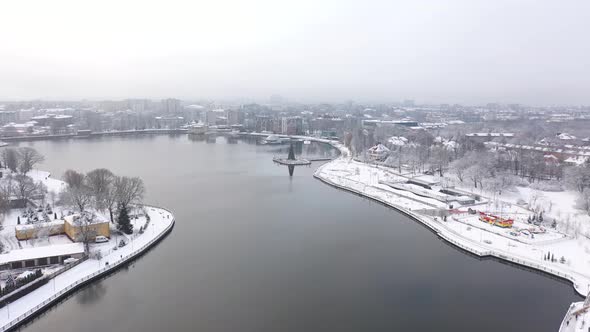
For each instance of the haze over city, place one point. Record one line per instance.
(472, 52)
(273, 166)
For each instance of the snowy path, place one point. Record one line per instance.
(13, 314)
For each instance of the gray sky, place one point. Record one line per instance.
(466, 51)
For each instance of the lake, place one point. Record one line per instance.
(256, 250)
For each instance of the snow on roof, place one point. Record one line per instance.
(41, 252)
(566, 136)
(379, 148)
(196, 107)
(19, 125)
(453, 122)
(89, 218)
(490, 135)
(576, 160)
(398, 140)
(52, 223)
(51, 116)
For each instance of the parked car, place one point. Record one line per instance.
(101, 239)
(70, 261)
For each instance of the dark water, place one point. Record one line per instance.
(255, 250)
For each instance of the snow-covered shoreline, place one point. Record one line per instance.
(25, 308)
(463, 243)
(335, 178)
(338, 173)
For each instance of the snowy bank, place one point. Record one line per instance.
(59, 287)
(482, 240)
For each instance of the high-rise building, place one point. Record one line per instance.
(233, 117)
(292, 125)
(138, 105)
(7, 116)
(171, 105)
(263, 123)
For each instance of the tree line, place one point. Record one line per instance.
(17, 183)
(104, 191)
(21, 159)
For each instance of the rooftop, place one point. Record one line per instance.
(41, 252)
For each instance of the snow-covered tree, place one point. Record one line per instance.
(28, 158)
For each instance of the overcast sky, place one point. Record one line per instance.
(465, 51)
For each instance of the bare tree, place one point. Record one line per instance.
(79, 197)
(578, 177)
(24, 188)
(128, 190)
(10, 159)
(77, 193)
(28, 158)
(86, 232)
(110, 199)
(73, 178)
(5, 192)
(584, 200)
(53, 197)
(459, 166)
(99, 182)
(439, 158)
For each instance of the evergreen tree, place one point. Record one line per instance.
(55, 215)
(123, 222)
(541, 216)
(552, 258)
(18, 220)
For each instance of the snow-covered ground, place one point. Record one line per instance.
(525, 243)
(53, 185)
(160, 222)
(111, 254)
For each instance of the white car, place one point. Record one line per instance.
(101, 239)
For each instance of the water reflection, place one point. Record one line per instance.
(92, 293)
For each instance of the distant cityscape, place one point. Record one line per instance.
(560, 131)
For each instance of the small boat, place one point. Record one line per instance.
(272, 139)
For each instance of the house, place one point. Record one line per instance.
(40, 256)
(378, 152)
(32, 231)
(76, 227)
